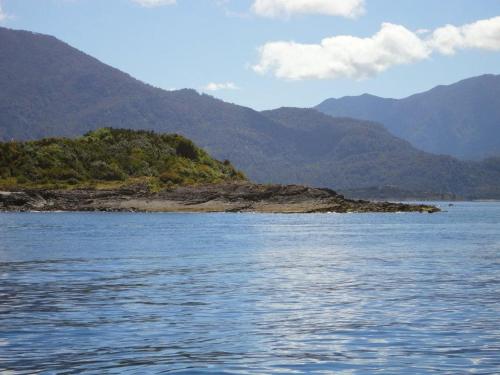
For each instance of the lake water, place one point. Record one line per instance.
(251, 293)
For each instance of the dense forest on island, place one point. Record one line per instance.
(111, 158)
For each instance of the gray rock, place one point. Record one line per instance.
(230, 197)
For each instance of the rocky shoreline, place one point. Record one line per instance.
(230, 197)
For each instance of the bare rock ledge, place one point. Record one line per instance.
(239, 197)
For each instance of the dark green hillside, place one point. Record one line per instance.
(349, 154)
(110, 157)
(49, 89)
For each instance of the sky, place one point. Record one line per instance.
(271, 53)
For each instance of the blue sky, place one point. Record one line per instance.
(213, 45)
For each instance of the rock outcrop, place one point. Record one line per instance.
(230, 197)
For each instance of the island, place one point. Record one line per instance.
(120, 170)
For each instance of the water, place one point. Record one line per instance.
(251, 293)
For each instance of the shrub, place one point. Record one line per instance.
(170, 177)
(101, 170)
(22, 180)
(186, 149)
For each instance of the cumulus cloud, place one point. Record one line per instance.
(354, 57)
(483, 34)
(343, 56)
(423, 31)
(286, 8)
(213, 86)
(154, 3)
(3, 15)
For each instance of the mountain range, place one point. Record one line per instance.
(49, 88)
(462, 119)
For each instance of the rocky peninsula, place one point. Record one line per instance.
(127, 170)
(225, 197)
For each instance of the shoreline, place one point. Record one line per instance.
(229, 197)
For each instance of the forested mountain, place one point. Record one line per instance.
(349, 153)
(51, 89)
(462, 120)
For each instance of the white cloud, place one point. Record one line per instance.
(285, 8)
(213, 86)
(3, 15)
(483, 34)
(354, 57)
(154, 3)
(423, 31)
(342, 56)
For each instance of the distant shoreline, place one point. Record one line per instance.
(394, 194)
(412, 200)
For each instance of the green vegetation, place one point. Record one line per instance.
(110, 158)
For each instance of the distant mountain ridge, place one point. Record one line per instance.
(462, 119)
(51, 89)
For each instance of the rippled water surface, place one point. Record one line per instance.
(250, 293)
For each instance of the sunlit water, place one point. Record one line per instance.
(250, 293)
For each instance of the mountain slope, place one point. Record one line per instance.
(350, 153)
(52, 89)
(462, 119)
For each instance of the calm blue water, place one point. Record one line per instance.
(251, 293)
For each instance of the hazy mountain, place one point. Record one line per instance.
(51, 89)
(462, 119)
